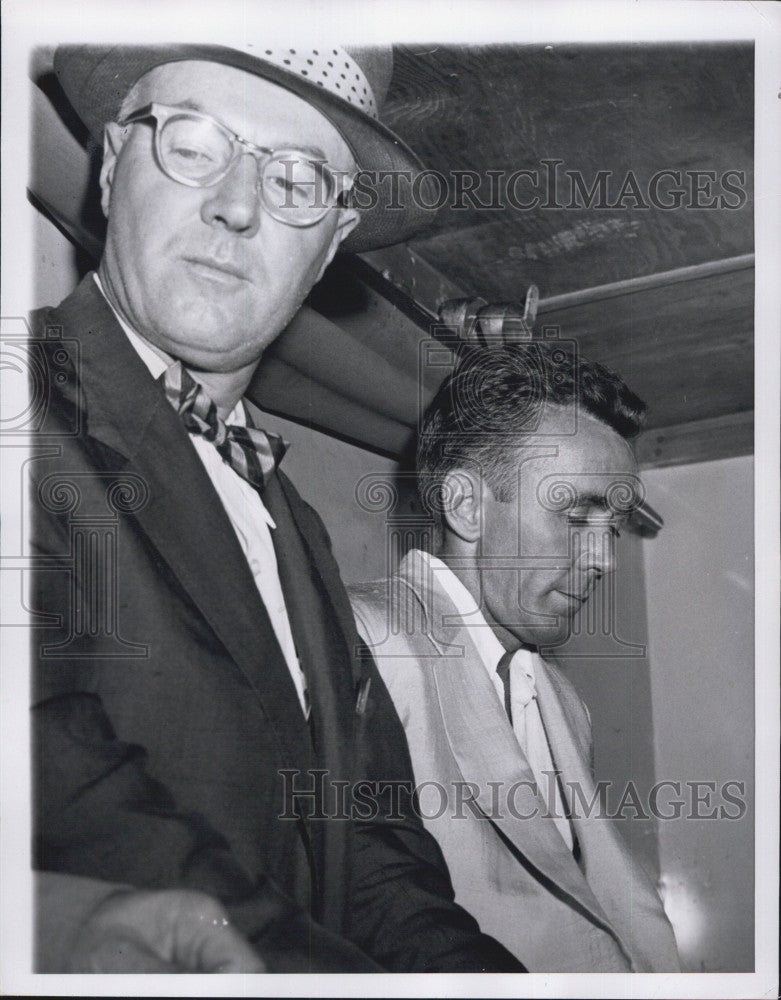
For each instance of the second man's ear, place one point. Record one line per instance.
(461, 504)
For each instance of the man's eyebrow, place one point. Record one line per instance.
(593, 498)
(601, 502)
(590, 499)
(190, 105)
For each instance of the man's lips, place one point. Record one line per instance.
(577, 598)
(213, 267)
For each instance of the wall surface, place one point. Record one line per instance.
(700, 588)
(55, 269)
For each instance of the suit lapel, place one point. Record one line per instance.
(183, 518)
(330, 651)
(607, 863)
(485, 748)
(324, 656)
(569, 756)
(327, 575)
(320, 643)
(640, 926)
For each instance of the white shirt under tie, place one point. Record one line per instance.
(526, 719)
(247, 513)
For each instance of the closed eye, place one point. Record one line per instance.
(191, 154)
(595, 519)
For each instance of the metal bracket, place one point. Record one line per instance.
(473, 320)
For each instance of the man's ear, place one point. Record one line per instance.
(114, 136)
(348, 220)
(462, 504)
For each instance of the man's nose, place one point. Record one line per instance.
(234, 202)
(595, 546)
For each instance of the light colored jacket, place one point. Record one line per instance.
(515, 875)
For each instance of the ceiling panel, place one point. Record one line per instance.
(629, 112)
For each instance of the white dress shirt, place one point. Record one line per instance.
(526, 718)
(247, 513)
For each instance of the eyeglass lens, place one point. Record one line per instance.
(197, 151)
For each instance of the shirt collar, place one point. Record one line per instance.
(480, 632)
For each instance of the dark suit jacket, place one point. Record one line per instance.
(167, 722)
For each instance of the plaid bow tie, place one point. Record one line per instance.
(251, 452)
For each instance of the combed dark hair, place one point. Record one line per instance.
(496, 397)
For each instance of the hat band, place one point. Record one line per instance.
(333, 69)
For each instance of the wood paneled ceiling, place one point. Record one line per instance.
(636, 111)
(663, 294)
(645, 122)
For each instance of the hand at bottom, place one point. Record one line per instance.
(170, 930)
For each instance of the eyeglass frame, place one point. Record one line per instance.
(341, 181)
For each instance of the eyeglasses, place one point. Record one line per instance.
(197, 150)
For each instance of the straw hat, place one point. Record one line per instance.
(347, 87)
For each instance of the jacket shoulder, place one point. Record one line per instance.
(54, 376)
(369, 601)
(42, 318)
(369, 593)
(82, 304)
(393, 627)
(377, 602)
(305, 510)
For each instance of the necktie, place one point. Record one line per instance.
(503, 669)
(523, 689)
(249, 451)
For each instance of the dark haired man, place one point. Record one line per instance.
(525, 464)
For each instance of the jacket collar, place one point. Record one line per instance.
(119, 396)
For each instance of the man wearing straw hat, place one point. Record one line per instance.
(201, 718)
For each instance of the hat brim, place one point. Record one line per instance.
(97, 78)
